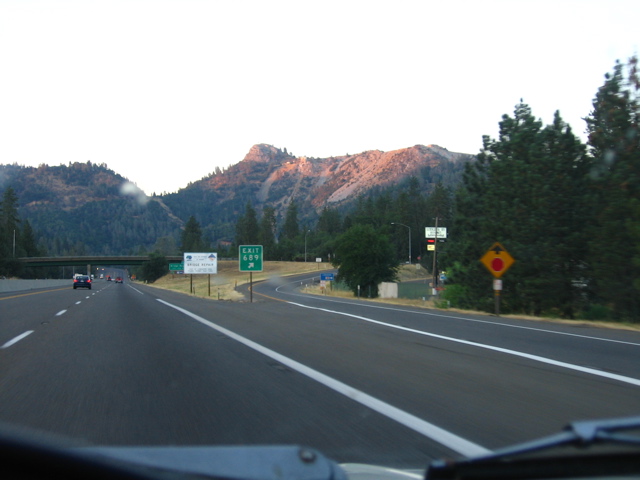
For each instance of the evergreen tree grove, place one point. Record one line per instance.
(528, 192)
(614, 142)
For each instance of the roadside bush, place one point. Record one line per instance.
(597, 312)
(455, 295)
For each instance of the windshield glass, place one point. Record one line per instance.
(391, 232)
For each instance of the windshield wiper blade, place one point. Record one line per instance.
(509, 462)
(580, 434)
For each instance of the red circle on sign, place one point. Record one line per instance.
(497, 264)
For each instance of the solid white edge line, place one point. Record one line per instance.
(454, 442)
(549, 361)
(16, 339)
(472, 320)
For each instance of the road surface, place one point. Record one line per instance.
(129, 364)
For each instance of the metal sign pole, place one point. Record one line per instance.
(250, 287)
(497, 287)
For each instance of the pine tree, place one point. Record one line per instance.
(9, 219)
(9, 233)
(247, 229)
(29, 247)
(191, 240)
(290, 229)
(614, 142)
(267, 231)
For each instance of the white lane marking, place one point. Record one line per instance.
(78, 302)
(549, 361)
(16, 339)
(444, 437)
(473, 320)
(61, 312)
(134, 288)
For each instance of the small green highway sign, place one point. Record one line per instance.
(176, 267)
(250, 257)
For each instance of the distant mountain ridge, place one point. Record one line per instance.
(278, 176)
(88, 208)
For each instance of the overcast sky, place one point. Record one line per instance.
(163, 91)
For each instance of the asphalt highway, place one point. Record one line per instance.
(129, 364)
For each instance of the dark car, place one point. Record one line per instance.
(82, 281)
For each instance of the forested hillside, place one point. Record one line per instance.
(87, 209)
(84, 208)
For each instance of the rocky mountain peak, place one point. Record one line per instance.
(263, 153)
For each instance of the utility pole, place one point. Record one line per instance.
(435, 254)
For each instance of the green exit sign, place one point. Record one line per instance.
(176, 267)
(250, 257)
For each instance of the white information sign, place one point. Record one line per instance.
(430, 232)
(195, 263)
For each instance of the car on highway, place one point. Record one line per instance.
(118, 279)
(82, 281)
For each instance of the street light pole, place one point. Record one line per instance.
(305, 245)
(396, 223)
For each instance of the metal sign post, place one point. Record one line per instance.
(250, 260)
(497, 288)
(437, 234)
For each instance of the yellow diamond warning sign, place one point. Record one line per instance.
(497, 260)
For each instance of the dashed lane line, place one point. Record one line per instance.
(16, 339)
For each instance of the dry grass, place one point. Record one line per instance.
(223, 287)
(223, 284)
(316, 290)
(409, 272)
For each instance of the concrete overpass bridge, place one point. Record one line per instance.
(92, 260)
